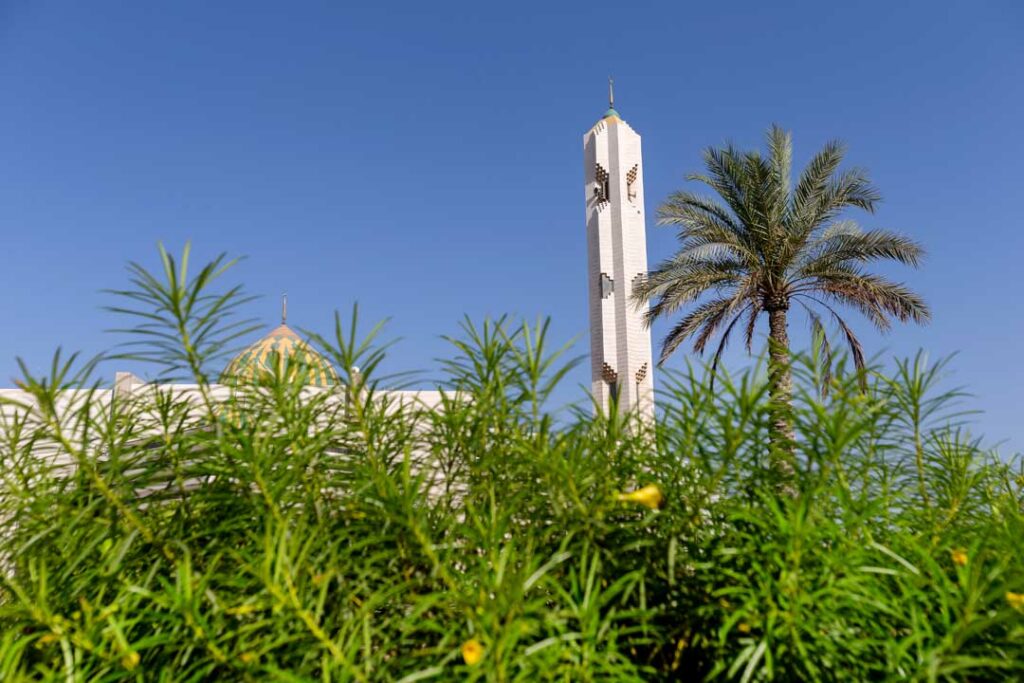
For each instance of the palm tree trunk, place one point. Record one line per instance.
(780, 380)
(778, 363)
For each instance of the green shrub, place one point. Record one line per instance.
(279, 534)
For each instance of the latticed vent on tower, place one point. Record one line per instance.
(638, 282)
(631, 182)
(607, 286)
(603, 189)
(608, 374)
(641, 374)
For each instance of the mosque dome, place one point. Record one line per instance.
(289, 351)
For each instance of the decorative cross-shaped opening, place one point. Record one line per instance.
(612, 378)
(603, 190)
(631, 182)
(641, 374)
(638, 282)
(608, 374)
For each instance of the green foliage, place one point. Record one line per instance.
(273, 532)
(761, 244)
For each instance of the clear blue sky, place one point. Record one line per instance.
(425, 159)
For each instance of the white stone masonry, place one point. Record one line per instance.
(620, 344)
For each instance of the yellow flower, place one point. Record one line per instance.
(247, 657)
(47, 639)
(472, 651)
(743, 627)
(959, 556)
(1016, 600)
(241, 610)
(130, 660)
(649, 496)
(677, 659)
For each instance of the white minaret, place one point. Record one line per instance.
(620, 343)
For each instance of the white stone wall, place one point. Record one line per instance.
(17, 405)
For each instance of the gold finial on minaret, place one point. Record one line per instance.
(611, 93)
(284, 308)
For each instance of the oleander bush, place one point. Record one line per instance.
(270, 532)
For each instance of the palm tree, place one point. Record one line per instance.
(767, 245)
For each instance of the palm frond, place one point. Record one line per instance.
(841, 248)
(871, 293)
(708, 316)
(812, 215)
(780, 146)
(684, 207)
(722, 343)
(711, 326)
(704, 221)
(676, 285)
(752, 315)
(851, 188)
(814, 180)
(856, 349)
(819, 341)
(727, 176)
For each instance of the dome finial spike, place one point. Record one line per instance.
(284, 308)
(611, 93)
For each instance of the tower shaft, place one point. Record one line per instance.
(620, 343)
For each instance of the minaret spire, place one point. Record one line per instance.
(611, 93)
(284, 308)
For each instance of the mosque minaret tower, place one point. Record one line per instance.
(620, 342)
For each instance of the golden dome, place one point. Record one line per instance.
(292, 355)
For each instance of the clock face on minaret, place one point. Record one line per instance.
(620, 342)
